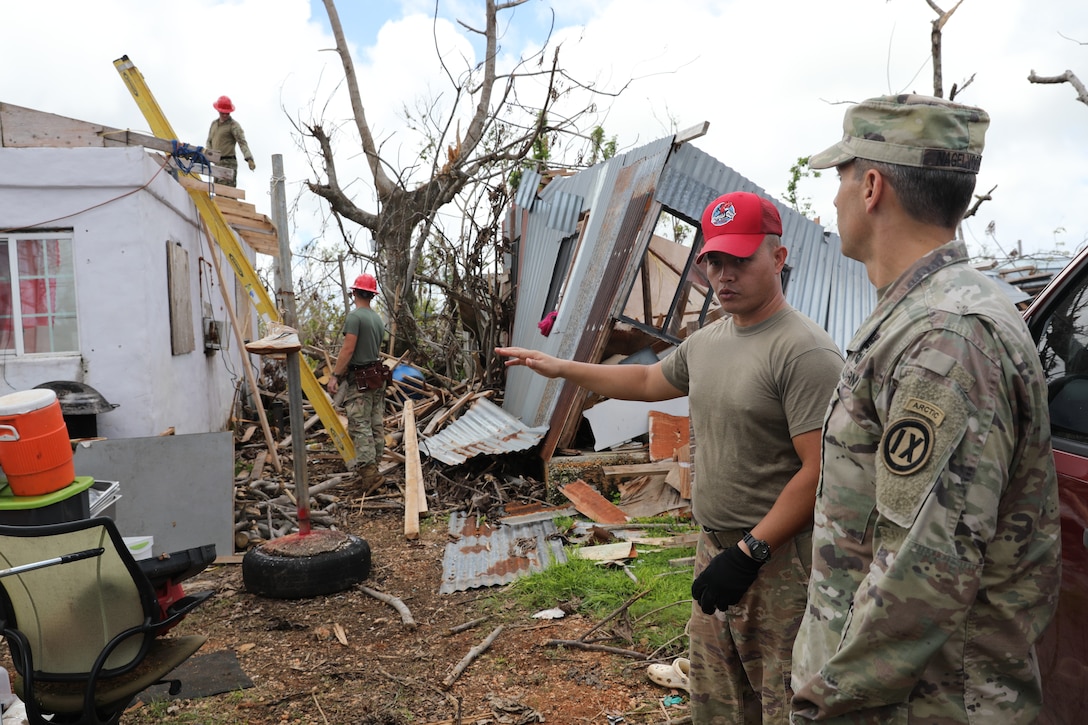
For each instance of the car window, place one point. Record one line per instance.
(1063, 351)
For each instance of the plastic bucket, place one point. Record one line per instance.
(35, 452)
(413, 379)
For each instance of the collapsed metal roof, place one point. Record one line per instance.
(481, 554)
(594, 227)
(484, 428)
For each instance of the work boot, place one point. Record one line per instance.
(369, 477)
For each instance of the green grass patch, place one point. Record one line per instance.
(595, 590)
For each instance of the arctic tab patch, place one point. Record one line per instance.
(907, 446)
(926, 410)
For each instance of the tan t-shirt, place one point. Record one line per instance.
(751, 390)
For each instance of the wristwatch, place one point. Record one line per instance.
(759, 548)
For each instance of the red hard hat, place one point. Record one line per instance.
(223, 105)
(366, 282)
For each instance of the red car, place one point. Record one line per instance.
(1058, 320)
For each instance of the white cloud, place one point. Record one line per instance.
(767, 75)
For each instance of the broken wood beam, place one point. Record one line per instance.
(413, 474)
(310, 423)
(638, 469)
(190, 182)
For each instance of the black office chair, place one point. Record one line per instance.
(81, 620)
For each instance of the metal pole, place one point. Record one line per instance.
(285, 292)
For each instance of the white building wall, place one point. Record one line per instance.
(122, 211)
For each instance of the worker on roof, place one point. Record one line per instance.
(226, 133)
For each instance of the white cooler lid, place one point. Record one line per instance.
(26, 401)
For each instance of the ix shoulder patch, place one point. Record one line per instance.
(907, 445)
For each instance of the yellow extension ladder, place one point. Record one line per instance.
(228, 242)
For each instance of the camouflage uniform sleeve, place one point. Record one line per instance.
(936, 508)
(240, 137)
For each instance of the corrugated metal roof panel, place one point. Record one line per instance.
(563, 212)
(482, 555)
(527, 187)
(529, 396)
(484, 428)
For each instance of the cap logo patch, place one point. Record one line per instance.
(907, 446)
(723, 214)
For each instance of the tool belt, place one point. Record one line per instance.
(372, 376)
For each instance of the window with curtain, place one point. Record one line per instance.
(37, 294)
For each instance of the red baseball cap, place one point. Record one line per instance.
(735, 223)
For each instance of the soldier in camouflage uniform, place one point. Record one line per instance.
(358, 379)
(758, 385)
(936, 547)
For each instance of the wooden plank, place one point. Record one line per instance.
(216, 172)
(242, 209)
(412, 473)
(228, 559)
(182, 338)
(258, 465)
(252, 224)
(606, 552)
(683, 460)
(27, 128)
(667, 542)
(592, 504)
(1015, 270)
(125, 137)
(638, 469)
(220, 190)
(440, 420)
(260, 242)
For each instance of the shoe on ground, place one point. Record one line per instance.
(369, 477)
(280, 339)
(674, 675)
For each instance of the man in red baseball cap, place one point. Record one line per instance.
(736, 224)
(758, 384)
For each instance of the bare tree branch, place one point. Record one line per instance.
(979, 198)
(1067, 77)
(474, 139)
(381, 181)
(935, 45)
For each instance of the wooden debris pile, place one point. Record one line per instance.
(416, 406)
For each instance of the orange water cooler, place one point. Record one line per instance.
(35, 451)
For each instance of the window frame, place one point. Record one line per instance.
(15, 280)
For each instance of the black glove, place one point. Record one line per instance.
(724, 580)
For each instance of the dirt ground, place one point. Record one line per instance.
(302, 671)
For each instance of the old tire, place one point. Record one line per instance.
(275, 574)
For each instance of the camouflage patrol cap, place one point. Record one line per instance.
(910, 130)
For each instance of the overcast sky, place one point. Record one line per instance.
(770, 76)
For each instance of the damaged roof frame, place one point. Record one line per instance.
(579, 243)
